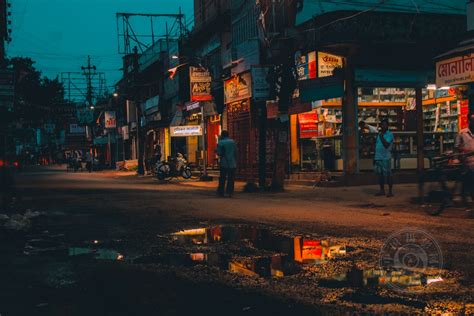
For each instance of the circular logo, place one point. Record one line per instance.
(410, 257)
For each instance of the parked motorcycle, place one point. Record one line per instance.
(177, 166)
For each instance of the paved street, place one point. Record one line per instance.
(136, 215)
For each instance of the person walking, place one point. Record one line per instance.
(383, 158)
(227, 151)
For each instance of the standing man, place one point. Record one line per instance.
(227, 151)
(465, 145)
(383, 158)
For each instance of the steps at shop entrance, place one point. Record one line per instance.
(316, 178)
(337, 179)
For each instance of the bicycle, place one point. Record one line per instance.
(446, 179)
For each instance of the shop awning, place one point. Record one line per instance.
(321, 88)
(392, 78)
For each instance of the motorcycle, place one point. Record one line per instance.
(177, 166)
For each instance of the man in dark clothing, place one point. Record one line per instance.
(227, 151)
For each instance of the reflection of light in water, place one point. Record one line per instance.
(434, 280)
(190, 232)
(197, 256)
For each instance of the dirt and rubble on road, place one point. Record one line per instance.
(176, 248)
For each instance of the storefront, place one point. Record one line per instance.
(195, 133)
(317, 118)
(237, 98)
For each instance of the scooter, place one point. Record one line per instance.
(177, 166)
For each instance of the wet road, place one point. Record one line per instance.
(134, 217)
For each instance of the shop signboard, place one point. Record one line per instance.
(308, 123)
(261, 89)
(238, 88)
(200, 84)
(455, 71)
(192, 105)
(463, 110)
(110, 120)
(321, 88)
(327, 63)
(186, 130)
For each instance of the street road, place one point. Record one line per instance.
(136, 215)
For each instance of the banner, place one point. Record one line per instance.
(200, 84)
(110, 120)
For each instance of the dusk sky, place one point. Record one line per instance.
(59, 34)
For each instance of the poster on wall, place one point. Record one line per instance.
(200, 84)
(238, 88)
(110, 120)
(308, 123)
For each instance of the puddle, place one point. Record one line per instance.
(379, 277)
(301, 249)
(99, 254)
(251, 251)
(276, 265)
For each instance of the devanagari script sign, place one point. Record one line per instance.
(455, 71)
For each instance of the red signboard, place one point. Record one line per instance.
(308, 124)
(464, 109)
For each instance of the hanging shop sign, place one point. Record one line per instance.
(327, 63)
(200, 84)
(308, 124)
(463, 110)
(454, 71)
(321, 88)
(185, 131)
(192, 106)
(125, 132)
(76, 129)
(110, 119)
(261, 89)
(238, 88)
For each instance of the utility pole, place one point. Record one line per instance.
(140, 141)
(88, 73)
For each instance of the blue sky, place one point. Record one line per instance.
(59, 34)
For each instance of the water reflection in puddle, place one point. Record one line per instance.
(99, 254)
(300, 249)
(379, 277)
